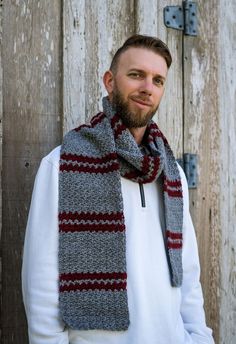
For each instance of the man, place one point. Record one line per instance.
(110, 252)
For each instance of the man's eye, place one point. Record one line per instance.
(159, 82)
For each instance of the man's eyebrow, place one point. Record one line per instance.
(136, 70)
(143, 72)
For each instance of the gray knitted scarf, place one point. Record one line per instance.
(92, 234)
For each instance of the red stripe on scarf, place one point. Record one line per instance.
(133, 175)
(94, 121)
(97, 119)
(63, 227)
(173, 183)
(172, 245)
(90, 216)
(82, 126)
(174, 235)
(136, 174)
(173, 193)
(174, 240)
(88, 159)
(94, 286)
(145, 164)
(173, 187)
(93, 276)
(89, 169)
(154, 170)
(154, 132)
(158, 134)
(117, 126)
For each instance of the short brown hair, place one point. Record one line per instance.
(142, 41)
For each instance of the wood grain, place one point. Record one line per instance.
(32, 127)
(170, 116)
(227, 102)
(201, 137)
(88, 46)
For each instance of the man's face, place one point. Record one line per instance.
(136, 88)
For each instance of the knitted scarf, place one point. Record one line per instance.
(92, 234)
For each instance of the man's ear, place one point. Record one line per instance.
(108, 80)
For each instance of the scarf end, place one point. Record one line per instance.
(98, 323)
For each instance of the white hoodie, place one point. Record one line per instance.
(159, 313)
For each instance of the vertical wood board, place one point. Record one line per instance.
(201, 137)
(227, 100)
(89, 43)
(31, 112)
(170, 116)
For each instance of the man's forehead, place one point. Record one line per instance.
(141, 58)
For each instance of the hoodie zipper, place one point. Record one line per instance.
(141, 188)
(142, 195)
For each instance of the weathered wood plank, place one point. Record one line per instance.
(149, 20)
(89, 43)
(227, 100)
(31, 112)
(74, 60)
(201, 136)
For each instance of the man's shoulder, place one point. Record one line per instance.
(182, 175)
(184, 187)
(53, 157)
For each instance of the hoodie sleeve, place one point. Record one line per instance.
(39, 270)
(192, 310)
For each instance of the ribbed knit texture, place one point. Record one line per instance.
(92, 238)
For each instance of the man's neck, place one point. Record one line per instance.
(138, 134)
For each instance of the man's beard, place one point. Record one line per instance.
(130, 119)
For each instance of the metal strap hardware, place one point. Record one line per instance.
(182, 18)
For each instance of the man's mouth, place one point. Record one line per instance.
(142, 101)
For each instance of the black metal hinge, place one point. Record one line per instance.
(182, 18)
(189, 165)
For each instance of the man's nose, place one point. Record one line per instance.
(147, 86)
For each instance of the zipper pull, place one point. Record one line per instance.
(143, 203)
